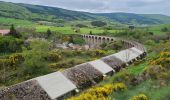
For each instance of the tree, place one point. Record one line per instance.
(168, 35)
(49, 32)
(98, 23)
(91, 33)
(165, 29)
(13, 31)
(10, 44)
(35, 63)
(131, 27)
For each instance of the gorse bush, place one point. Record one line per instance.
(140, 97)
(100, 92)
(163, 59)
(54, 56)
(15, 60)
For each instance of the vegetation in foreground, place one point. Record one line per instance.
(145, 80)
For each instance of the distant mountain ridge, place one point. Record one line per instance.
(54, 14)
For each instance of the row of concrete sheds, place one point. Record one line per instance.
(60, 85)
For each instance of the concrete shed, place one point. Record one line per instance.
(56, 85)
(91, 72)
(104, 68)
(114, 62)
(137, 51)
(126, 55)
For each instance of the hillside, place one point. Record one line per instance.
(130, 18)
(53, 14)
(38, 13)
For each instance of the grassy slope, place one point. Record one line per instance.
(146, 87)
(69, 30)
(16, 22)
(52, 14)
(157, 28)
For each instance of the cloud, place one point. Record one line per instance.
(133, 6)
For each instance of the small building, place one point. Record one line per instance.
(95, 75)
(4, 32)
(104, 68)
(114, 62)
(78, 77)
(127, 56)
(57, 86)
(137, 51)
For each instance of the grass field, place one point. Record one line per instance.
(157, 29)
(16, 22)
(69, 30)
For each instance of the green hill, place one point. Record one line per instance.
(130, 18)
(53, 14)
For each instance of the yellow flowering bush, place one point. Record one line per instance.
(100, 92)
(163, 59)
(15, 59)
(54, 56)
(140, 97)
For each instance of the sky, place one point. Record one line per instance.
(106, 6)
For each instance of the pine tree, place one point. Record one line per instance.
(49, 33)
(13, 31)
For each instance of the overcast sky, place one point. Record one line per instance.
(100, 6)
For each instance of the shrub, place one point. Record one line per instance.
(123, 76)
(140, 97)
(98, 23)
(165, 29)
(78, 40)
(150, 42)
(100, 92)
(15, 59)
(96, 53)
(10, 44)
(153, 71)
(163, 59)
(54, 56)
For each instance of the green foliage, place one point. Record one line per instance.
(98, 23)
(165, 29)
(115, 45)
(10, 44)
(49, 32)
(81, 25)
(13, 32)
(35, 63)
(100, 92)
(150, 42)
(78, 40)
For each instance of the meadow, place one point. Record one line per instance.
(16, 22)
(70, 30)
(156, 29)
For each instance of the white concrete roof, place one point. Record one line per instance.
(136, 50)
(126, 55)
(101, 66)
(55, 84)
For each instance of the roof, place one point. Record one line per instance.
(4, 32)
(28, 90)
(126, 55)
(55, 84)
(135, 50)
(101, 66)
(90, 71)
